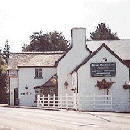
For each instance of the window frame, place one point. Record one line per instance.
(38, 73)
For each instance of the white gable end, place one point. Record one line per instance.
(87, 83)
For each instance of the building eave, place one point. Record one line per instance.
(37, 66)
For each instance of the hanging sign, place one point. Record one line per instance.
(103, 69)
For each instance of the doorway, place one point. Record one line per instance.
(16, 103)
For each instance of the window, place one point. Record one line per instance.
(38, 72)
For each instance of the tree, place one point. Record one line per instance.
(3, 88)
(52, 41)
(3, 81)
(3, 75)
(6, 51)
(103, 33)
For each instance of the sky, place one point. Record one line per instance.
(20, 18)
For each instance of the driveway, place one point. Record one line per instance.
(35, 119)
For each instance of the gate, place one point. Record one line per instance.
(85, 103)
(55, 102)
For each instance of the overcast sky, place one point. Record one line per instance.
(20, 18)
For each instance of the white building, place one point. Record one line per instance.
(28, 70)
(71, 59)
(102, 72)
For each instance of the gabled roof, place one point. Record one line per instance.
(120, 47)
(95, 52)
(51, 82)
(33, 59)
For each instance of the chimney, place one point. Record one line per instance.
(78, 38)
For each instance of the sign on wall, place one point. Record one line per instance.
(12, 73)
(103, 69)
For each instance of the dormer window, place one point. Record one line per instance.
(38, 73)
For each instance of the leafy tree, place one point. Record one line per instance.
(2, 65)
(3, 81)
(52, 41)
(3, 88)
(6, 51)
(103, 32)
(3, 75)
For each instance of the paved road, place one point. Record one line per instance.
(34, 119)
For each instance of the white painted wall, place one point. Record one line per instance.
(26, 79)
(13, 84)
(74, 57)
(86, 83)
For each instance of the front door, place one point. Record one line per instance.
(16, 97)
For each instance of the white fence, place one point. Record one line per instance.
(95, 102)
(89, 102)
(66, 102)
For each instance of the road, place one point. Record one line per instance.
(35, 119)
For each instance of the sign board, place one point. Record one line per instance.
(103, 69)
(12, 73)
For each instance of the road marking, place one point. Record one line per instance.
(100, 117)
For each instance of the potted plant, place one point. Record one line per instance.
(126, 86)
(104, 84)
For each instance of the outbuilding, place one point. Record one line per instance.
(28, 70)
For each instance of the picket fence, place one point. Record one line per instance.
(95, 102)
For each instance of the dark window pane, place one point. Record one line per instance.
(38, 72)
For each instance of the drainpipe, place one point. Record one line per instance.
(77, 92)
(18, 86)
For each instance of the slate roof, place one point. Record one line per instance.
(51, 82)
(33, 59)
(95, 52)
(120, 47)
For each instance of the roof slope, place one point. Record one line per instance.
(120, 47)
(31, 59)
(52, 82)
(94, 53)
